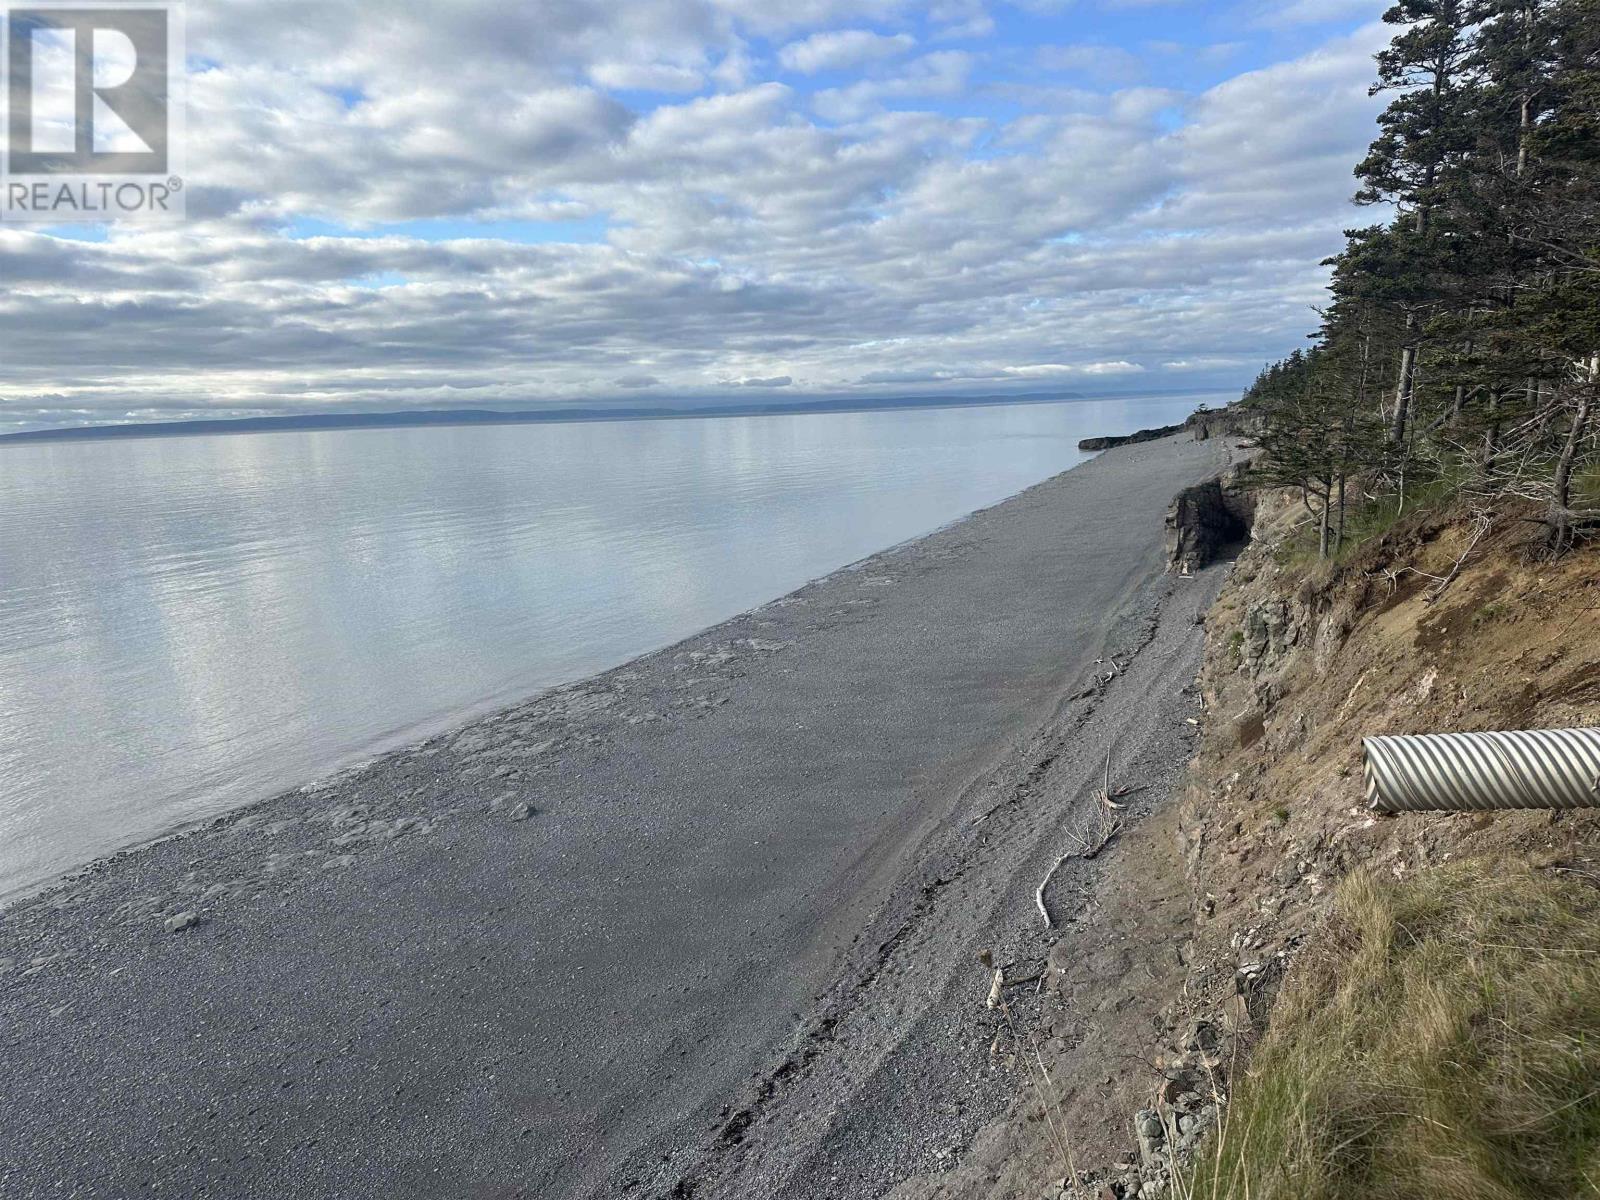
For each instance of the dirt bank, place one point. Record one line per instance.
(1157, 998)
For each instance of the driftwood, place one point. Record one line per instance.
(1087, 848)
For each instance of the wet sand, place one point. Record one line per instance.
(659, 932)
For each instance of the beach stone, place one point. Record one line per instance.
(521, 811)
(180, 921)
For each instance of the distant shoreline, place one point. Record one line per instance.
(428, 418)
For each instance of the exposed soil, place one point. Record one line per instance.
(1201, 911)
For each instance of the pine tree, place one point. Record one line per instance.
(1422, 141)
(1463, 336)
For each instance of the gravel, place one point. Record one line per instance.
(734, 950)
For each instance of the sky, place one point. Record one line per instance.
(458, 203)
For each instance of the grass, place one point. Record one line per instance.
(1586, 487)
(1365, 520)
(1493, 611)
(1439, 1039)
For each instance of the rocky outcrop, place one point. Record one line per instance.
(1205, 424)
(1220, 422)
(1131, 439)
(1208, 519)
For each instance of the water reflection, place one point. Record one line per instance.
(190, 623)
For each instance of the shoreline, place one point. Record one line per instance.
(411, 737)
(403, 906)
(63, 822)
(433, 419)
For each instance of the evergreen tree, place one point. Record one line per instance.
(1463, 336)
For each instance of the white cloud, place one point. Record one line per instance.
(942, 73)
(839, 49)
(647, 77)
(1316, 12)
(924, 225)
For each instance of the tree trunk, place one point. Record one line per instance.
(1338, 541)
(1460, 400)
(1403, 389)
(1324, 525)
(1491, 435)
(1525, 126)
(1560, 518)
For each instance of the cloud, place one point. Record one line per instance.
(1314, 12)
(1045, 370)
(476, 205)
(942, 73)
(647, 77)
(839, 49)
(1103, 64)
(771, 381)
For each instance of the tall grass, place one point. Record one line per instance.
(1366, 519)
(1440, 1039)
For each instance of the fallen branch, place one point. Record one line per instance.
(1085, 850)
(979, 820)
(1038, 895)
(1484, 521)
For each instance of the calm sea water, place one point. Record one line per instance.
(187, 624)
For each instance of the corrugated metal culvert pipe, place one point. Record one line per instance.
(1456, 772)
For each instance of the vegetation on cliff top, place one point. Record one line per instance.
(1462, 338)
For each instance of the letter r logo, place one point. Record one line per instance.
(89, 91)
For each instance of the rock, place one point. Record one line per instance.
(1248, 730)
(1236, 1016)
(1270, 630)
(1205, 521)
(1152, 1135)
(1202, 1038)
(180, 921)
(521, 811)
(1091, 444)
